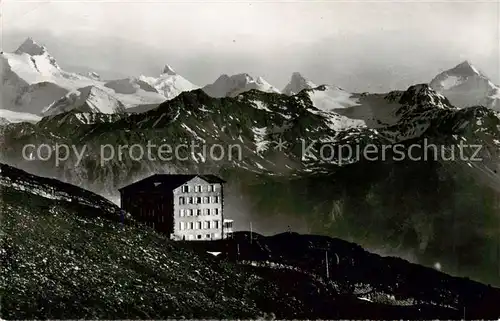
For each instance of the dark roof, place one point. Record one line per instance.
(170, 181)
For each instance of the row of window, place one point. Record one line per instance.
(198, 211)
(207, 236)
(198, 225)
(198, 188)
(199, 200)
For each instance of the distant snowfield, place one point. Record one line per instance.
(17, 117)
(87, 99)
(234, 85)
(332, 98)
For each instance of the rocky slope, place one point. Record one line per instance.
(297, 84)
(74, 251)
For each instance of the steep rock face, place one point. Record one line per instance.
(40, 57)
(465, 86)
(297, 84)
(231, 86)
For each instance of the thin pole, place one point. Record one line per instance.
(251, 233)
(238, 251)
(326, 261)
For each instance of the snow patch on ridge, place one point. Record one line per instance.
(261, 144)
(328, 98)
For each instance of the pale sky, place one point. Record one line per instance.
(360, 46)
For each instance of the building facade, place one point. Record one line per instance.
(186, 207)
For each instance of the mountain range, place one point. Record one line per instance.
(434, 210)
(33, 82)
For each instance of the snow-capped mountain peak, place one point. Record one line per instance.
(465, 69)
(168, 70)
(455, 76)
(260, 80)
(170, 84)
(465, 86)
(39, 54)
(297, 84)
(423, 94)
(87, 99)
(236, 84)
(30, 47)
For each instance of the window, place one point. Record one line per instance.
(216, 224)
(216, 211)
(190, 200)
(182, 200)
(198, 200)
(182, 226)
(198, 236)
(181, 212)
(198, 189)
(198, 225)
(207, 211)
(212, 188)
(206, 200)
(206, 225)
(185, 188)
(216, 199)
(190, 211)
(198, 212)
(207, 236)
(191, 225)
